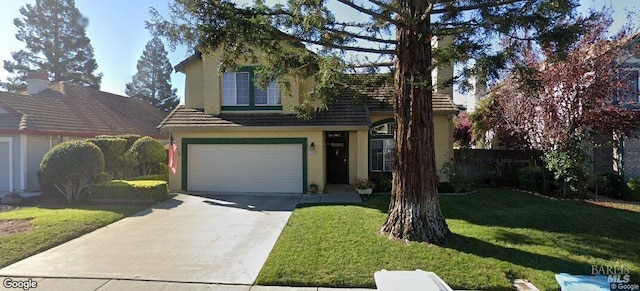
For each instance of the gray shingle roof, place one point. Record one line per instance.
(72, 109)
(340, 113)
(348, 109)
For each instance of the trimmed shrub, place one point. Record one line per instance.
(113, 150)
(130, 138)
(612, 185)
(149, 154)
(126, 190)
(71, 167)
(160, 177)
(531, 178)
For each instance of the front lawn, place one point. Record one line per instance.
(30, 230)
(499, 235)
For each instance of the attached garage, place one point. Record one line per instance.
(245, 166)
(5, 164)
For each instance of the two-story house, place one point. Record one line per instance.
(235, 137)
(626, 159)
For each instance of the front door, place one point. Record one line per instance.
(337, 157)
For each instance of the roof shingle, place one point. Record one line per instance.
(77, 110)
(340, 113)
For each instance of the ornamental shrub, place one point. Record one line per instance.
(114, 150)
(612, 185)
(160, 177)
(71, 167)
(531, 178)
(130, 138)
(148, 154)
(634, 189)
(127, 190)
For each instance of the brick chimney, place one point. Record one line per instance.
(37, 82)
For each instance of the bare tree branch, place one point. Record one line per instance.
(474, 7)
(370, 65)
(364, 37)
(374, 14)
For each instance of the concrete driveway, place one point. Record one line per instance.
(210, 239)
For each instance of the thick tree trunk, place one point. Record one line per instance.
(414, 210)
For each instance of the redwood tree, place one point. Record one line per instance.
(152, 81)
(394, 32)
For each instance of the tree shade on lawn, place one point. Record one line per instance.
(401, 31)
(498, 235)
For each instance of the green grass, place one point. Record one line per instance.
(499, 235)
(53, 225)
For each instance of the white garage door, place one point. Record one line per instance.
(4, 167)
(245, 168)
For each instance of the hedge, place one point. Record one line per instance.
(161, 177)
(113, 150)
(131, 138)
(126, 190)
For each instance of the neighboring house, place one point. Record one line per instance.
(234, 137)
(626, 160)
(34, 121)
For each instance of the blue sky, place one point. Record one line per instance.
(117, 33)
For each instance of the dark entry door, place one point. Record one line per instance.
(337, 157)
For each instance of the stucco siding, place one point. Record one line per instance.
(194, 90)
(443, 136)
(37, 146)
(203, 89)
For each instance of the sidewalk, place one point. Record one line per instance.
(64, 284)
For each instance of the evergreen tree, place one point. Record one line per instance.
(152, 82)
(397, 30)
(54, 34)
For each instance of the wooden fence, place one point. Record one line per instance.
(494, 167)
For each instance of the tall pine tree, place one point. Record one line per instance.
(152, 82)
(400, 30)
(54, 34)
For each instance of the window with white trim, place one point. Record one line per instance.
(267, 96)
(235, 89)
(381, 155)
(381, 146)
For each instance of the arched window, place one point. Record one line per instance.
(381, 146)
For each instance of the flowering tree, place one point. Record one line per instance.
(462, 131)
(559, 105)
(490, 128)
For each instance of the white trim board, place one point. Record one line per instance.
(9, 140)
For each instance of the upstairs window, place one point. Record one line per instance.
(240, 92)
(235, 89)
(267, 96)
(631, 91)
